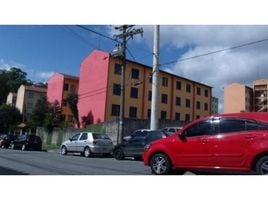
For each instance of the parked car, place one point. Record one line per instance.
(170, 130)
(141, 132)
(88, 143)
(134, 147)
(6, 139)
(27, 142)
(236, 141)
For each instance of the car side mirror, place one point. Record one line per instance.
(182, 135)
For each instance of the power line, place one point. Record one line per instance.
(114, 40)
(214, 52)
(80, 37)
(98, 33)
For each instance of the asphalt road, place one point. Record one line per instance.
(16, 162)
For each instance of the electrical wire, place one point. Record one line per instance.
(214, 52)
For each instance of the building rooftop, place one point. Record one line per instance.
(35, 88)
(69, 76)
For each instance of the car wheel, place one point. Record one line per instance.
(63, 150)
(160, 164)
(23, 147)
(87, 152)
(119, 154)
(262, 166)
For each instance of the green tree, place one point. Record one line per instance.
(46, 115)
(10, 81)
(10, 117)
(72, 101)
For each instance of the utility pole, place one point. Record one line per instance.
(155, 76)
(127, 32)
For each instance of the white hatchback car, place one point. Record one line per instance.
(88, 143)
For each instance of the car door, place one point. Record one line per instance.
(194, 148)
(72, 145)
(232, 142)
(82, 142)
(135, 143)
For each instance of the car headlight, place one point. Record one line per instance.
(147, 146)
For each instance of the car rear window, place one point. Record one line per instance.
(100, 136)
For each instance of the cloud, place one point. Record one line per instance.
(7, 65)
(44, 75)
(31, 73)
(242, 65)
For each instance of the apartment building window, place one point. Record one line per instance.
(66, 86)
(164, 98)
(177, 116)
(117, 68)
(117, 89)
(187, 117)
(178, 85)
(134, 92)
(206, 106)
(188, 103)
(198, 91)
(206, 93)
(178, 101)
(115, 110)
(165, 82)
(132, 112)
(198, 105)
(163, 114)
(29, 105)
(30, 95)
(135, 74)
(73, 88)
(151, 78)
(149, 113)
(150, 95)
(188, 88)
(64, 103)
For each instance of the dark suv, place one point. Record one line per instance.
(134, 146)
(27, 142)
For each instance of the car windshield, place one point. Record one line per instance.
(100, 136)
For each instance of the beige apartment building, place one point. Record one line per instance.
(238, 98)
(27, 97)
(260, 95)
(12, 98)
(99, 91)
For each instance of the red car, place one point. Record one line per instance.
(236, 142)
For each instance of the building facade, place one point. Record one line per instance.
(27, 97)
(12, 98)
(260, 95)
(99, 92)
(58, 88)
(214, 105)
(238, 98)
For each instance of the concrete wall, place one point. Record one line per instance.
(111, 128)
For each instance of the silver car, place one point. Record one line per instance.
(88, 143)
